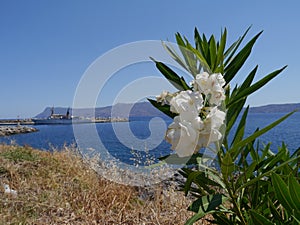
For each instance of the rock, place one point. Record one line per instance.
(10, 130)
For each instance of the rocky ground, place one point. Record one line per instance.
(10, 130)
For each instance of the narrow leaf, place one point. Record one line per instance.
(258, 219)
(282, 192)
(175, 80)
(190, 180)
(227, 166)
(222, 219)
(246, 175)
(194, 218)
(249, 79)
(247, 91)
(220, 54)
(274, 211)
(233, 48)
(294, 188)
(257, 134)
(207, 203)
(175, 56)
(241, 128)
(163, 108)
(213, 53)
(239, 60)
(188, 56)
(202, 59)
(267, 173)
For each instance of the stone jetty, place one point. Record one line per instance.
(10, 130)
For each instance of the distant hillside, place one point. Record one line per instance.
(145, 109)
(275, 108)
(140, 109)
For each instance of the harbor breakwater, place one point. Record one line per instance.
(11, 130)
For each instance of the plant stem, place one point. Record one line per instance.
(229, 190)
(236, 208)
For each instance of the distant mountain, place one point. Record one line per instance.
(145, 109)
(275, 108)
(123, 110)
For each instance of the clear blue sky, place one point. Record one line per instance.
(46, 46)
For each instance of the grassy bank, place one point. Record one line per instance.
(60, 188)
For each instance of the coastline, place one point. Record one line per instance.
(18, 122)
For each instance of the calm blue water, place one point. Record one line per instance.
(121, 143)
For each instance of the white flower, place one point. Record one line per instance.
(211, 86)
(208, 136)
(164, 97)
(195, 126)
(200, 83)
(215, 117)
(183, 135)
(187, 102)
(211, 130)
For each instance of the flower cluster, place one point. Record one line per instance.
(199, 118)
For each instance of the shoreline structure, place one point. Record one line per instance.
(11, 130)
(30, 122)
(20, 126)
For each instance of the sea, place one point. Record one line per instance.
(142, 138)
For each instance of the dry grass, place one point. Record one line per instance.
(59, 188)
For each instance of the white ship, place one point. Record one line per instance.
(60, 119)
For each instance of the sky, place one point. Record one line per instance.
(46, 47)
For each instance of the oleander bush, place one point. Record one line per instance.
(235, 178)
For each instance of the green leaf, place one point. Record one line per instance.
(221, 219)
(249, 90)
(216, 178)
(202, 59)
(258, 219)
(254, 153)
(194, 218)
(220, 54)
(188, 56)
(163, 108)
(235, 150)
(227, 166)
(232, 115)
(234, 110)
(191, 177)
(297, 220)
(294, 188)
(274, 211)
(282, 192)
(296, 165)
(208, 203)
(197, 40)
(213, 53)
(205, 205)
(241, 128)
(267, 173)
(266, 151)
(179, 40)
(248, 81)
(246, 174)
(175, 56)
(233, 48)
(175, 80)
(272, 161)
(239, 60)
